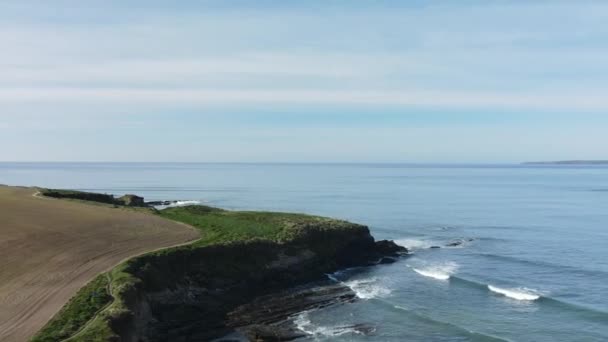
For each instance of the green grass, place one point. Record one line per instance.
(217, 226)
(222, 226)
(98, 329)
(79, 310)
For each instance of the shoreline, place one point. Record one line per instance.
(276, 254)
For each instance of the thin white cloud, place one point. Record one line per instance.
(448, 99)
(181, 69)
(442, 48)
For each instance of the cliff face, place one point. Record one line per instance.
(186, 294)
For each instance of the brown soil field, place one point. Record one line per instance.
(50, 248)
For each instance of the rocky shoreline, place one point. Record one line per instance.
(206, 293)
(266, 318)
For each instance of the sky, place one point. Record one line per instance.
(303, 81)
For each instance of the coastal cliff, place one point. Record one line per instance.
(213, 287)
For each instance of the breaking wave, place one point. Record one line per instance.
(182, 203)
(439, 271)
(425, 243)
(517, 293)
(432, 274)
(304, 324)
(414, 244)
(520, 293)
(366, 288)
(178, 204)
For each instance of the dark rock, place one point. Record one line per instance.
(269, 333)
(131, 200)
(157, 203)
(276, 307)
(434, 247)
(362, 328)
(387, 260)
(454, 243)
(161, 203)
(265, 318)
(390, 248)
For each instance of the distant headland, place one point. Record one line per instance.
(568, 162)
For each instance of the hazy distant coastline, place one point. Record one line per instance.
(569, 162)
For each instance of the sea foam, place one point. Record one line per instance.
(183, 203)
(415, 243)
(178, 204)
(368, 288)
(364, 288)
(441, 271)
(304, 324)
(517, 293)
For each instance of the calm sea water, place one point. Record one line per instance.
(536, 268)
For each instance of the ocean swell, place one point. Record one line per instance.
(521, 293)
(432, 274)
(475, 336)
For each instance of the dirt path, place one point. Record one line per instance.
(86, 325)
(51, 248)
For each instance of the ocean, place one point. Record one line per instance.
(524, 248)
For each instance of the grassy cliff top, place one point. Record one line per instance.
(222, 226)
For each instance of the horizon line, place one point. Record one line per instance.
(297, 162)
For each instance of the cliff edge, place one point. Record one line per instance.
(191, 293)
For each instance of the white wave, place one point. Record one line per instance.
(304, 324)
(415, 243)
(441, 271)
(431, 274)
(364, 288)
(179, 204)
(182, 203)
(368, 288)
(517, 293)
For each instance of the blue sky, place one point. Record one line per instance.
(301, 81)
